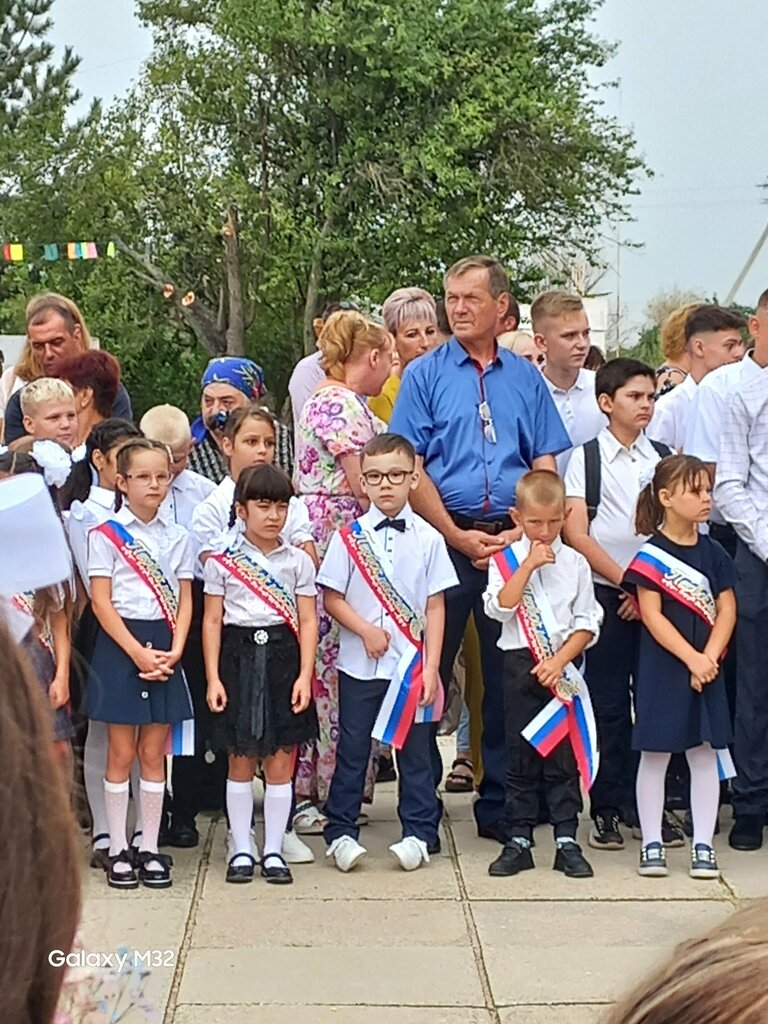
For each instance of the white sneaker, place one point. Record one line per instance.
(308, 821)
(231, 849)
(296, 852)
(410, 853)
(346, 852)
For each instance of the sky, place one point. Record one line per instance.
(692, 85)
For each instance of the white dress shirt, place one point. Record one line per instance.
(709, 403)
(741, 482)
(671, 413)
(568, 585)
(307, 374)
(188, 490)
(417, 564)
(291, 566)
(211, 520)
(97, 508)
(625, 472)
(169, 545)
(579, 412)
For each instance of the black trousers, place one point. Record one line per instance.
(524, 697)
(198, 783)
(611, 665)
(460, 602)
(417, 806)
(750, 787)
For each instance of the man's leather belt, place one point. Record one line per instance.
(490, 526)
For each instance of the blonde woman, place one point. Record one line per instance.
(677, 361)
(409, 316)
(335, 424)
(523, 345)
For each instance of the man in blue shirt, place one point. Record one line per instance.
(479, 417)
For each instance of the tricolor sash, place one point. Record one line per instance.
(570, 712)
(692, 589)
(181, 736)
(400, 706)
(140, 559)
(262, 584)
(25, 602)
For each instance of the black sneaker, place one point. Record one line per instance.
(703, 862)
(747, 832)
(671, 833)
(571, 861)
(513, 859)
(605, 834)
(653, 861)
(434, 848)
(386, 770)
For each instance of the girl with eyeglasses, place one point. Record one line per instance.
(140, 567)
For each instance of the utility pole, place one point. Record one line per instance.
(747, 267)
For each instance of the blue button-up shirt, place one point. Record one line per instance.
(438, 409)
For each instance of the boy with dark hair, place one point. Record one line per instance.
(602, 484)
(384, 576)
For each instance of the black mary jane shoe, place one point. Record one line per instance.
(242, 872)
(100, 856)
(277, 874)
(121, 879)
(155, 878)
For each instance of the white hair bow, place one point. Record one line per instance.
(54, 461)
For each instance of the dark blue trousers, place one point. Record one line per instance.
(460, 602)
(417, 806)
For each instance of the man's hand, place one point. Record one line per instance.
(540, 554)
(476, 545)
(548, 672)
(376, 642)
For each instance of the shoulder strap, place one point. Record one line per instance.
(592, 473)
(661, 449)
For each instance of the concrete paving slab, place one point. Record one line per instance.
(615, 878)
(322, 923)
(407, 975)
(570, 1014)
(243, 1014)
(745, 873)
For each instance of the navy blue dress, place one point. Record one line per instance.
(670, 716)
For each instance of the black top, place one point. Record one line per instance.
(14, 420)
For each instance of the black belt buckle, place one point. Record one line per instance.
(492, 528)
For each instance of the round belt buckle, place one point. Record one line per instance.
(260, 637)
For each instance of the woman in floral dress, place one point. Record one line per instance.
(335, 424)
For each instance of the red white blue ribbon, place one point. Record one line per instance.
(270, 590)
(400, 707)
(677, 579)
(559, 718)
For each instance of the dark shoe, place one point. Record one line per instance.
(386, 770)
(671, 834)
(122, 879)
(158, 877)
(653, 861)
(100, 858)
(571, 861)
(492, 831)
(243, 872)
(513, 859)
(182, 836)
(747, 832)
(277, 874)
(605, 834)
(460, 781)
(687, 825)
(434, 848)
(703, 862)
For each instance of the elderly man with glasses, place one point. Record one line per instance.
(479, 417)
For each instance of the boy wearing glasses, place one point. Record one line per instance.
(384, 578)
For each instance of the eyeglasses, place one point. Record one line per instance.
(394, 476)
(489, 431)
(147, 478)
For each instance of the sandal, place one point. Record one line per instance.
(277, 874)
(155, 878)
(308, 821)
(459, 781)
(242, 872)
(100, 855)
(121, 879)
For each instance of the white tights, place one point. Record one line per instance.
(705, 793)
(94, 770)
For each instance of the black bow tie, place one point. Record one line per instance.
(396, 524)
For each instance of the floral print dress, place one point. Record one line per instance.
(335, 422)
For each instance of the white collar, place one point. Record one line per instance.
(102, 497)
(376, 516)
(583, 381)
(126, 517)
(612, 447)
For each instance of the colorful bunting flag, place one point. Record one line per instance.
(51, 251)
(17, 252)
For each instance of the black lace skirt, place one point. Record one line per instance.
(258, 669)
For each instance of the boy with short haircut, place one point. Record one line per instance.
(561, 332)
(48, 408)
(602, 485)
(170, 426)
(541, 591)
(384, 578)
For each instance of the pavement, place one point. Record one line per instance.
(446, 944)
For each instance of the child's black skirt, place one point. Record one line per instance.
(115, 693)
(258, 668)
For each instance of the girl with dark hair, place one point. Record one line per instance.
(140, 567)
(259, 643)
(684, 582)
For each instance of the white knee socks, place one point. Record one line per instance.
(116, 804)
(94, 767)
(240, 812)
(136, 794)
(277, 808)
(705, 792)
(650, 794)
(152, 794)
